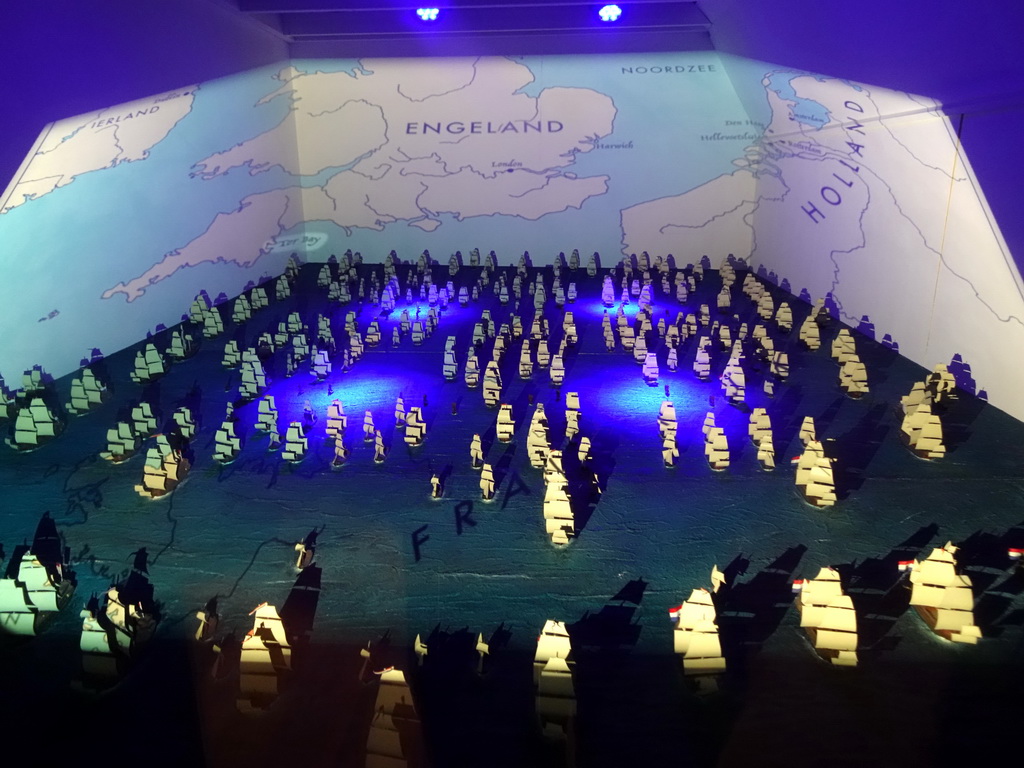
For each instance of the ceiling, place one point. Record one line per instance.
(326, 20)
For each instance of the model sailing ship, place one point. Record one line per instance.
(34, 426)
(164, 470)
(760, 431)
(695, 636)
(38, 583)
(921, 432)
(149, 365)
(829, 618)
(227, 444)
(552, 676)
(87, 393)
(295, 443)
(853, 377)
(716, 448)
(265, 660)
(943, 597)
(814, 477)
(559, 521)
(116, 627)
(122, 443)
(395, 735)
(181, 345)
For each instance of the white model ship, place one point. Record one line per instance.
(917, 396)
(122, 443)
(640, 346)
(492, 384)
(337, 421)
(734, 381)
(807, 432)
(506, 424)
(149, 365)
(766, 453)
(853, 378)
(716, 449)
(34, 426)
(702, 360)
(552, 675)
(559, 521)
(295, 444)
(941, 384)
(232, 355)
(450, 367)
(265, 660)
(696, 635)
(163, 471)
(143, 419)
(759, 425)
(537, 440)
(113, 634)
(784, 317)
(814, 477)
(241, 311)
(921, 431)
(300, 347)
(415, 427)
(266, 418)
(258, 299)
(373, 334)
(650, 369)
(86, 393)
(213, 323)
(185, 422)
(182, 345)
(227, 444)
(525, 360)
(843, 347)
(395, 736)
(198, 308)
(321, 365)
(829, 618)
(810, 334)
(943, 597)
(254, 378)
(724, 299)
(667, 421)
(32, 594)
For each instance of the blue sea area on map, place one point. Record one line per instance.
(805, 111)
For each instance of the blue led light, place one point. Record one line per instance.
(427, 14)
(610, 13)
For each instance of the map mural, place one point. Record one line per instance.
(118, 218)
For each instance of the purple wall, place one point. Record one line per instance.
(65, 57)
(968, 56)
(990, 139)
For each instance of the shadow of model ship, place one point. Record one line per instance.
(880, 593)
(752, 610)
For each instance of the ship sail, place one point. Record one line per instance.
(829, 618)
(943, 597)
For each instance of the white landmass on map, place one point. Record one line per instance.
(240, 237)
(498, 151)
(712, 219)
(96, 141)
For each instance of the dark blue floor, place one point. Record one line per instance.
(229, 531)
